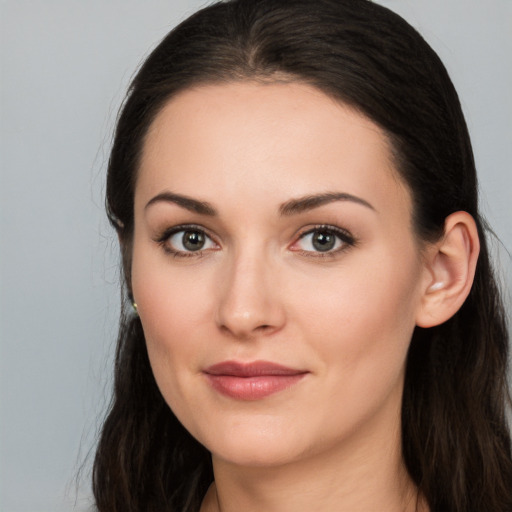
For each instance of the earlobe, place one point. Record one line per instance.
(450, 269)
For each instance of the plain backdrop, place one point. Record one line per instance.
(64, 67)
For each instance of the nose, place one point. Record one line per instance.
(249, 303)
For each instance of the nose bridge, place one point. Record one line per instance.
(248, 302)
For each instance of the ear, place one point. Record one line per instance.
(449, 270)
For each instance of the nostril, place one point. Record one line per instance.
(247, 331)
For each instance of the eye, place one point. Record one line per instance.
(185, 241)
(323, 239)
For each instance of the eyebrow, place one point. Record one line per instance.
(302, 204)
(193, 205)
(291, 207)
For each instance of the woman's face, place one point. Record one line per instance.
(275, 270)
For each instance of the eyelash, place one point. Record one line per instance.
(346, 239)
(163, 241)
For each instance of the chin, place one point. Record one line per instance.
(257, 456)
(256, 446)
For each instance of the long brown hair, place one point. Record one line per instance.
(456, 442)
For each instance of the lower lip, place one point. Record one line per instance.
(252, 388)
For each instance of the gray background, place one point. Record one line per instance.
(64, 67)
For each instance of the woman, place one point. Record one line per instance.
(316, 325)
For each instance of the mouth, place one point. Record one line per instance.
(251, 381)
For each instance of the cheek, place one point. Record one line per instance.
(170, 299)
(362, 319)
(171, 308)
(168, 310)
(359, 324)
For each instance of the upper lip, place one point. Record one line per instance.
(253, 369)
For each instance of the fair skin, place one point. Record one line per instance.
(230, 263)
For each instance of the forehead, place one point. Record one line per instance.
(269, 140)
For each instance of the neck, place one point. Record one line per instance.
(363, 475)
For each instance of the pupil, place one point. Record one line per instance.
(323, 241)
(193, 240)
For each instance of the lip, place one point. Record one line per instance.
(251, 381)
